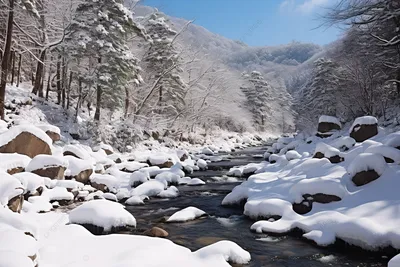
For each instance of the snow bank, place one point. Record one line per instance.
(187, 214)
(102, 213)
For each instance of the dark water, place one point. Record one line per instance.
(228, 223)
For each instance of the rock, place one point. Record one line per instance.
(15, 204)
(364, 128)
(15, 170)
(108, 152)
(101, 187)
(322, 198)
(156, 232)
(365, 177)
(327, 125)
(336, 159)
(27, 144)
(303, 207)
(51, 172)
(82, 177)
(319, 155)
(167, 164)
(54, 136)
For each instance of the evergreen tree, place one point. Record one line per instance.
(98, 35)
(163, 61)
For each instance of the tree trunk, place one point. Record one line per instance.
(127, 103)
(13, 67)
(19, 70)
(69, 88)
(63, 81)
(58, 77)
(78, 103)
(48, 80)
(6, 57)
(98, 98)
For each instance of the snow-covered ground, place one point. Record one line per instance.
(35, 232)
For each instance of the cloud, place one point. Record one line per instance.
(303, 6)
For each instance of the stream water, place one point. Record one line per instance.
(228, 223)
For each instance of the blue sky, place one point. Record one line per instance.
(256, 22)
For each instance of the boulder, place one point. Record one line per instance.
(15, 204)
(15, 170)
(365, 177)
(364, 128)
(303, 207)
(51, 172)
(327, 125)
(28, 144)
(100, 186)
(322, 198)
(82, 177)
(54, 136)
(156, 232)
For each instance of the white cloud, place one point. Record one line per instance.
(303, 6)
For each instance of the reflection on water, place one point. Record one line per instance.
(228, 223)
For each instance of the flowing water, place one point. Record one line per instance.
(228, 223)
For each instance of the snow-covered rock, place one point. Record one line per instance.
(104, 182)
(230, 251)
(170, 192)
(102, 213)
(151, 188)
(13, 162)
(187, 214)
(48, 166)
(138, 177)
(364, 128)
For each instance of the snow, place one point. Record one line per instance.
(207, 151)
(195, 182)
(367, 162)
(229, 250)
(170, 192)
(187, 214)
(135, 200)
(13, 132)
(150, 189)
(14, 259)
(75, 165)
(9, 161)
(46, 161)
(138, 177)
(168, 177)
(394, 262)
(385, 151)
(37, 204)
(102, 213)
(343, 142)
(131, 166)
(77, 150)
(58, 193)
(292, 154)
(160, 158)
(70, 184)
(9, 187)
(108, 180)
(11, 240)
(327, 150)
(366, 120)
(329, 119)
(49, 127)
(30, 181)
(110, 196)
(327, 259)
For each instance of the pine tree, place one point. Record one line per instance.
(163, 61)
(99, 34)
(258, 95)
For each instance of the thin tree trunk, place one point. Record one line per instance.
(127, 102)
(98, 98)
(69, 88)
(6, 57)
(58, 77)
(63, 81)
(48, 80)
(78, 103)
(19, 70)
(39, 73)
(13, 67)
(41, 88)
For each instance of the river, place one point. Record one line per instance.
(228, 223)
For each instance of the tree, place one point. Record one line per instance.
(98, 39)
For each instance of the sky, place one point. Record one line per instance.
(256, 22)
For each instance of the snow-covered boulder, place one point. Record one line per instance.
(138, 177)
(25, 139)
(196, 182)
(11, 192)
(323, 150)
(228, 249)
(78, 169)
(161, 160)
(391, 154)
(187, 214)
(207, 151)
(49, 166)
(292, 154)
(131, 166)
(77, 151)
(169, 177)
(135, 200)
(170, 192)
(13, 163)
(182, 154)
(106, 148)
(102, 216)
(202, 164)
(156, 232)
(151, 188)
(33, 183)
(343, 143)
(59, 194)
(366, 168)
(327, 125)
(364, 128)
(104, 182)
(52, 131)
